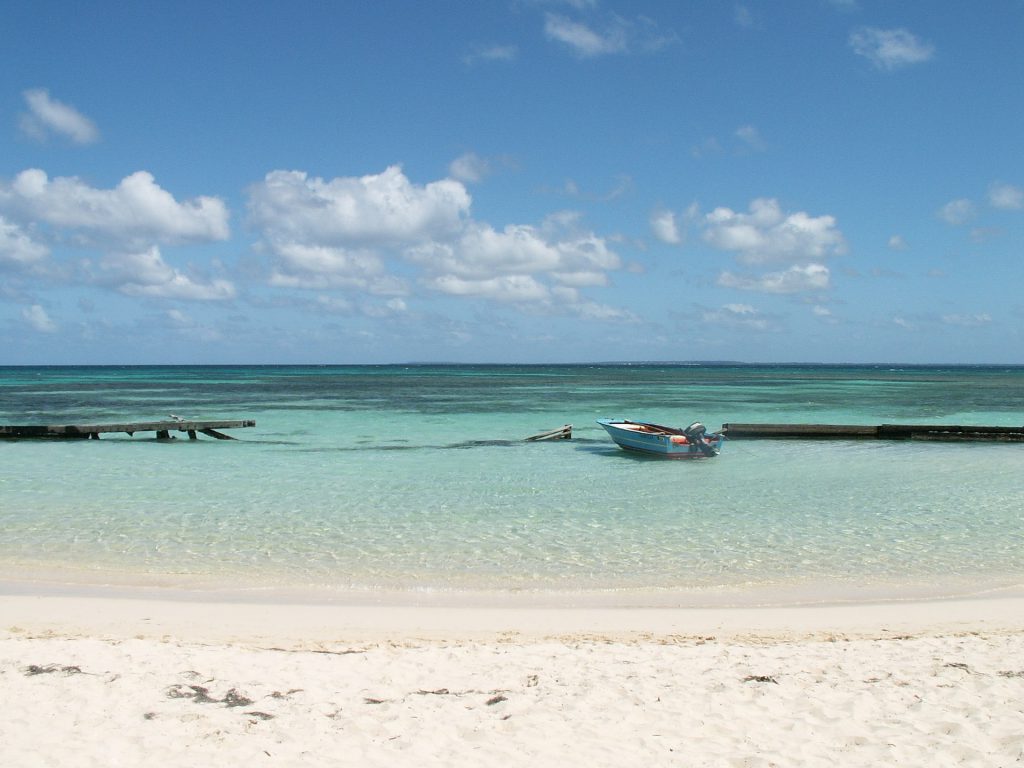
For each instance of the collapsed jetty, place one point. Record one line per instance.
(163, 429)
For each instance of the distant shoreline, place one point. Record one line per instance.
(595, 363)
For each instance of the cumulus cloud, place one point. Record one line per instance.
(377, 233)
(469, 168)
(897, 243)
(766, 235)
(147, 274)
(47, 115)
(320, 267)
(890, 49)
(136, 211)
(665, 228)
(957, 212)
(127, 223)
(1006, 197)
(482, 252)
(38, 319)
(796, 279)
(376, 210)
(332, 233)
(17, 249)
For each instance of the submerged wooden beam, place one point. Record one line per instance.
(561, 433)
(937, 432)
(163, 429)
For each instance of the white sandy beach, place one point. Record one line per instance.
(131, 681)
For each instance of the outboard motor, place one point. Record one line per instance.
(695, 434)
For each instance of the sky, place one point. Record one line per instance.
(511, 181)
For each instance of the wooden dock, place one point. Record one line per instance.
(937, 432)
(163, 429)
(559, 433)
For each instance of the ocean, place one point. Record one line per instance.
(415, 481)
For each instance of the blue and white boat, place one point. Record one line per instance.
(694, 442)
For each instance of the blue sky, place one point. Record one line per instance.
(511, 181)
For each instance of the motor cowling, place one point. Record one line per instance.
(696, 433)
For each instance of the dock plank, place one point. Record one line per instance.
(94, 430)
(935, 432)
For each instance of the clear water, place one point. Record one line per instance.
(388, 478)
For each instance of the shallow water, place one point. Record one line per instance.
(416, 478)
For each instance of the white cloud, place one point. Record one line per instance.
(767, 236)
(147, 274)
(390, 308)
(889, 49)
(663, 224)
(469, 168)
(378, 210)
(750, 137)
(968, 321)
(739, 309)
(611, 35)
(592, 311)
(521, 264)
(17, 248)
(584, 40)
(1006, 197)
(897, 243)
(324, 266)
(36, 317)
(796, 279)
(47, 115)
(957, 212)
(518, 249)
(507, 288)
(902, 322)
(179, 318)
(137, 210)
(324, 259)
(741, 316)
(491, 53)
(369, 234)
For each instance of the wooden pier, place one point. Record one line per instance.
(559, 433)
(937, 432)
(163, 429)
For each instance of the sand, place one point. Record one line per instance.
(116, 680)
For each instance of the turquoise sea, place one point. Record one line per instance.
(375, 480)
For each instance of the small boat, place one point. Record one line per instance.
(694, 442)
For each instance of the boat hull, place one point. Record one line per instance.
(656, 440)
